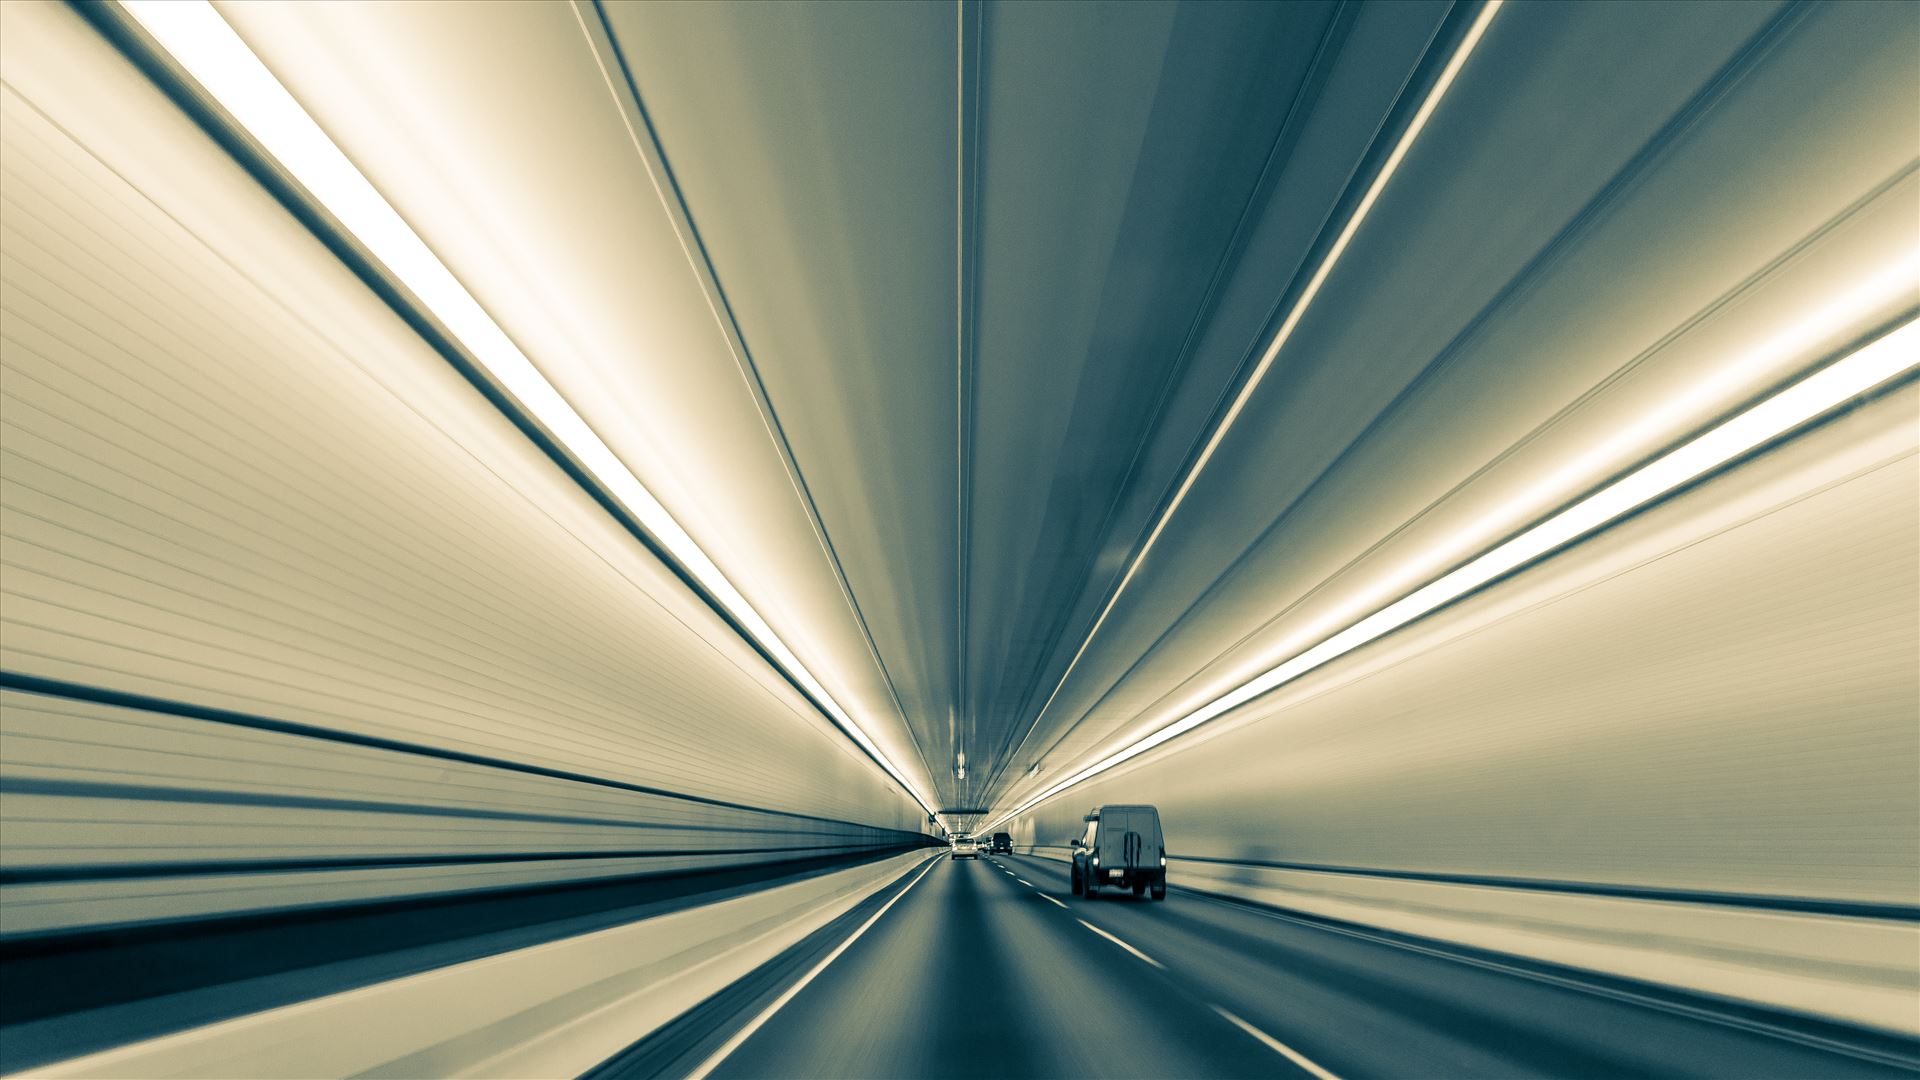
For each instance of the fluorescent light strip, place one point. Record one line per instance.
(1865, 302)
(195, 35)
(1885, 359)
(1287, 326)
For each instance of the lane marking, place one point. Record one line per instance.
(1120, 943)
(1738, 1023)
(706, 1067)
(1276, 1045)
(1265, 1039)
(1024, 881)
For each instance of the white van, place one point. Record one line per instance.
(1122, 846)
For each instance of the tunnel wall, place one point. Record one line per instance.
(127, 816)
(1705, 713)
(290, 613)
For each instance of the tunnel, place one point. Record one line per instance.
(1368, 539)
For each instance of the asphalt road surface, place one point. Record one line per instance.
(994, 969)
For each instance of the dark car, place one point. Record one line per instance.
(1122, 846)
(1001, 844)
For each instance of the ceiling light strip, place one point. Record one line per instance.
(1287, 326)
(196, 37)
(625, 94)
(1876, 365)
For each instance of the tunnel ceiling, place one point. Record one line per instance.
(968, 254)
(917, 316)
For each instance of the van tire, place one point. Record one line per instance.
(1160, 891)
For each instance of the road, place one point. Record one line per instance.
(992, 968)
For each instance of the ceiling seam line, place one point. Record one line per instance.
(1894, 388)
(1333, 38)
(967, 30)
(1618, 186)
(426, 332)
(1400, 116)
(1885, 390)
(646, 138)
(147, 56)
(1236, 384)
(69, 690)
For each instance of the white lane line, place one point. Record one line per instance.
(1024, 881)
(1276, 1045)
(1052, 901)
(706, 1067)
(1692, 1012)
(1120, 943)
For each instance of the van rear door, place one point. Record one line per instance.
(1129, 837)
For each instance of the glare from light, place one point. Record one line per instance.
(195, 35)
(1285, 332)
(1877, 291)
(1883, 290)
(1887, 358)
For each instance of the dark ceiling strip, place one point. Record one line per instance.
(1887, 389)
(598, 31)
(1596, 209)
(1413, 92)
(34, 684)
(153, 61)
(1306, 95)
(969, 30)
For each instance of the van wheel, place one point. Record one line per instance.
(1160, 891)
(1076, 883)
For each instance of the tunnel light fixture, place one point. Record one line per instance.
(1280, 337)
(1875, 365)
(209, 50)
